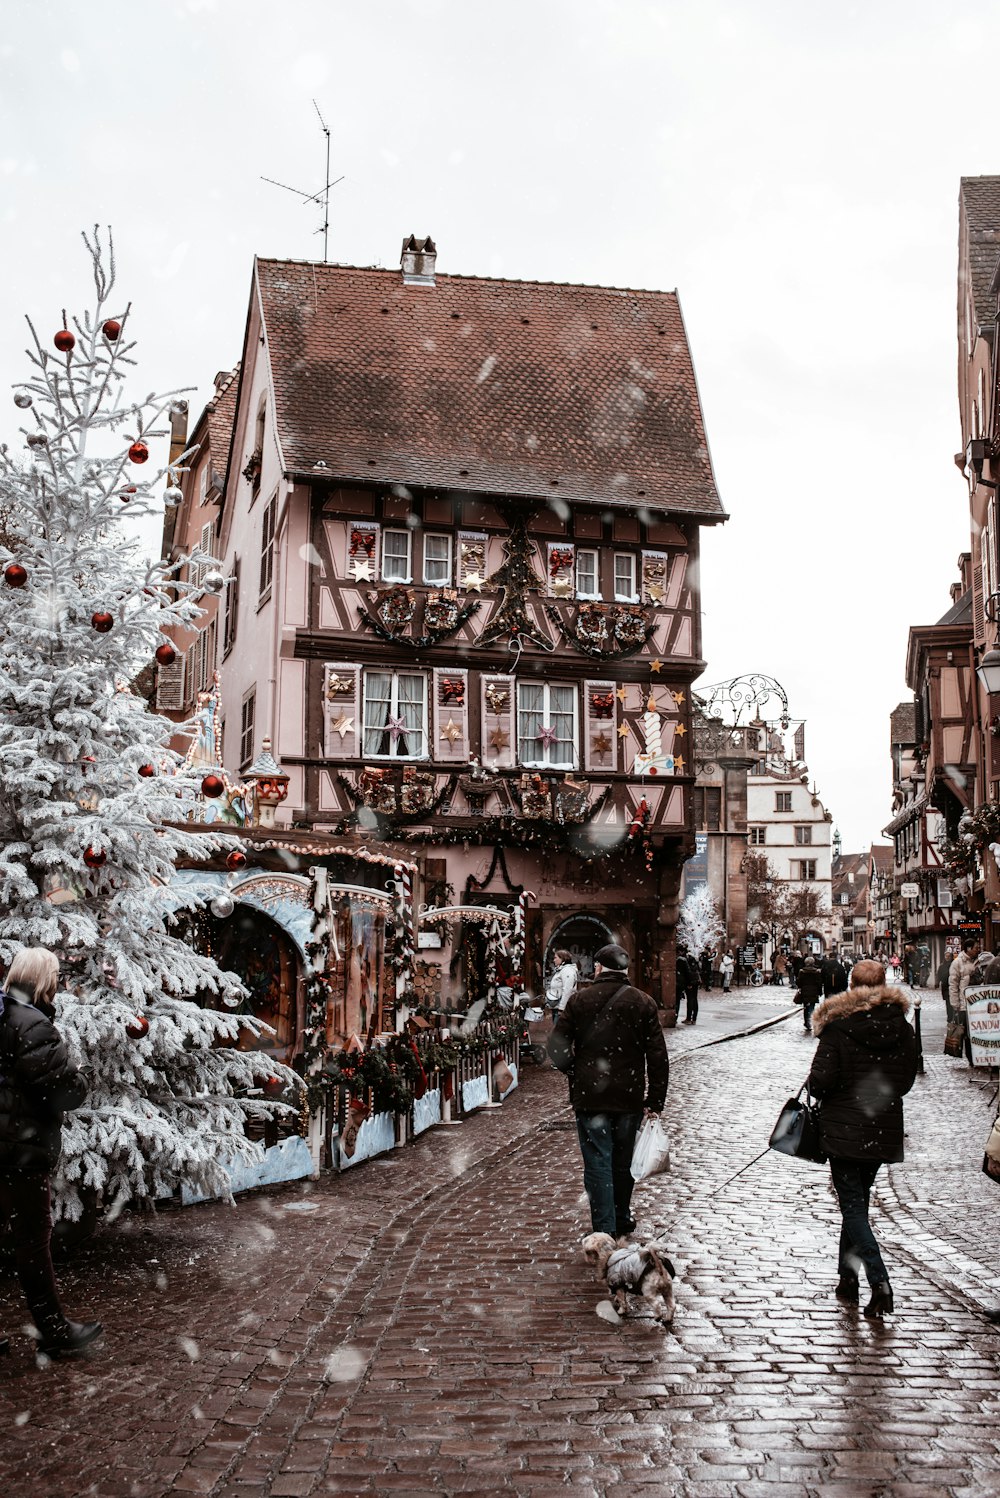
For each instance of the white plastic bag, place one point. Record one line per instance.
(651, 1155)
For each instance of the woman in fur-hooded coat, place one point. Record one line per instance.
(864, 1065)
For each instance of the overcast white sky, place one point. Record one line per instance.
(791, 168)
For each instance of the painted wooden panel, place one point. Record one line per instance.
(600, 725)
(682, 640)
(951, 744)
(451, 715)
(291, 708)
(951, 701)
(678, 572)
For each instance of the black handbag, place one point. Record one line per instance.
(797, 1131)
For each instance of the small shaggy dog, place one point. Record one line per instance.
(634, 1269)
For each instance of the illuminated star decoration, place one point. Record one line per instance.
(679, 763)
(548, 736)
(396, 726)
(344, 725)
(451, 731)
(654, 591)
(562, 587)
(656, 666)
(623, 731)
(621, 694)
(473, 582)
(362, 570)
(601, 745)
(678, 697)
(680, 730)
(499, 740)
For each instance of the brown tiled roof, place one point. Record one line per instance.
(903, 724)
(221, 413)
(502, 387)
(882, 857)
(981, 199)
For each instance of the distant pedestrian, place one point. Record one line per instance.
(943, 974)
(961, 976)
(810, 990)
(707, 965)
(609, 1041)
(780, 968)
(795, 965)
(691, 991)
(865, 1063)
(564, 979)
(834, 975)
(38, 1083)
(726, 968)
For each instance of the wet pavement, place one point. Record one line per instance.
(425, 1324)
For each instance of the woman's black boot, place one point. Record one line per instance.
(847, 1289)
(881, 1301)
(69, 1337)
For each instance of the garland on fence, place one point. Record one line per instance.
(397, 1072)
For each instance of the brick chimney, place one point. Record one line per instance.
(417, 261)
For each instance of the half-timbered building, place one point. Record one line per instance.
(459, 518)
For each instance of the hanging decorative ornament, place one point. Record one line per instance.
(213, 582)
(95, 858)
(222, 906)
(172, 498)
(165, 655)
(146, 772)
(15, 576)
(396, 727)
(137, 1028)
(547, 735)
(112, 329)
(236, 860)
(138, 452)
(37, 439)
(129, 492)
(22, 399)
(102, 621)
(64, 341)
(213, 785)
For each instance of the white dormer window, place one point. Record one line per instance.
(625, 572)
(587, 583)
(437, 560)
(396, 557)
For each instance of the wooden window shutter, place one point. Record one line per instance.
(560, 569)
(653, 585)
(978, 617)
(170, 685)
(451, 716)
(471, 556)
(232, 608)
(190, 670)
(342, 711)
(499, 740)
(600, 726)
(362, 546)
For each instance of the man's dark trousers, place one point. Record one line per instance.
(606, 1144)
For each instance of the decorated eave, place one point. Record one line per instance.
(908, 814)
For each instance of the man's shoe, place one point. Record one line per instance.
(69, 1338)
(994, 1316)
(881, 1302)
(847, 1289)
(628, 1228)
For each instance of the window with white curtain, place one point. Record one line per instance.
(625, 570)
(395, 714)
(587, 585)
(437, 559)
(396, 556)
(546, 725)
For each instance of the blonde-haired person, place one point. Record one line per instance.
(864, 1065)
(38, 1084)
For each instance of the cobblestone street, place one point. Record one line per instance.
(426, 1324)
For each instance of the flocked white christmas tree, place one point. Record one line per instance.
(89, 789)
(700, 926)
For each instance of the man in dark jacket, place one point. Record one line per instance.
(834, 976)
(38, 1082)
(608, 1040)
(810, 984)
(865, 1063)
(944, 982)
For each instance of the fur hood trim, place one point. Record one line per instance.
(857, 1001)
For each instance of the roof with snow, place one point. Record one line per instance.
(501, 387)
(981, 200)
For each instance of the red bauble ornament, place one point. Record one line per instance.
(15, 575)
(111, 330)
(94, 859)
(102, 621)
(137, 1028)
(129, 492)
(64, 341)
(138, 452)
(147, 772)
(212, 785)
(273, 1087)
(165, 655)
(236, 860)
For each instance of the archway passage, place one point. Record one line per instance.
(581, 936)
(254, 947)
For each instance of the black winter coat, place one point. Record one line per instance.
(38, 1083)
(810, 984)
(607, 1050)
(834, 977)
(864, 1065)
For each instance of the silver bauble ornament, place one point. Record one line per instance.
(37, 439)
(213, 582)
(222, 906)
(172, 498)
(22, 399)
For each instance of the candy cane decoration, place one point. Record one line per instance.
(517, 949)
(403, 876)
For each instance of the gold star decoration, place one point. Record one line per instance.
(562, 587)
(499, 739)
(473, 582)
(344, 725)
(362, 569)
(338, 685)
(655, 592)
(623, 731)
(621, 695)
(656, 666)
(679, 763)
(678, 697)
(451, 731)
(601, 745)
(680, 730)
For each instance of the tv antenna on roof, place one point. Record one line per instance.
(324, 192)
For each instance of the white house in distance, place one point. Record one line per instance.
(789, 825)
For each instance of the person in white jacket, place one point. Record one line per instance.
(726, 967)
(565, 977)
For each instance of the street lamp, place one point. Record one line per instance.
(988, 671)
